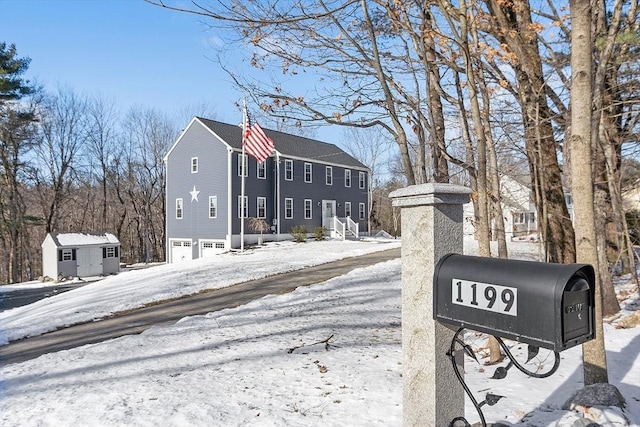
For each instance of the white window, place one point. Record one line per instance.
(110, 252)
(308, 172)
(347, 177)
(67, 255)
(308, 208)
(361, 210)
(329, 175)
(262, 207)
(262, 170)
(362, 179)
(178, 208)
(213, 206)
(288, 208)
(242, 165)
(243, 208)
(288, 170)
(194, 165)
(347, 208)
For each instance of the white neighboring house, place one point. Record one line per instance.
(80, 255)
(518, 208)
(631, 198)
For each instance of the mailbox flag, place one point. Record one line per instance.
(257, 143)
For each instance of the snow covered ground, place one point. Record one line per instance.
(329, 354)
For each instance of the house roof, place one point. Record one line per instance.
(83, 239)
(287, 144)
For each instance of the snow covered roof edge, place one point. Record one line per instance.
(84, 239)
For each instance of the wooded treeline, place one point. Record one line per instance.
(73, 163)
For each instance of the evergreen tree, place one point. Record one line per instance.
(17, 120)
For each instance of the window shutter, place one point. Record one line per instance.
(104, 253)
(73, 254)
(59, 255)
(116, 251)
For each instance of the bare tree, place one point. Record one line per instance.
(63, 128)
(595, 362)
(101, 138)
(514, 29)
(148, 136)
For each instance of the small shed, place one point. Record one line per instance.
(80, 255)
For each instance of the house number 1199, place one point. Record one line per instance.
(485, 296)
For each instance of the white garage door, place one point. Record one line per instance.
(211, 247)
(181, 250)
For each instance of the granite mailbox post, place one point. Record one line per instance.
(432, 227)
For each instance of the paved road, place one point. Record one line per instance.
(19, 297)
(136, 321)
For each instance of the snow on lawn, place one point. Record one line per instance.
(134, 289)
(325, 355)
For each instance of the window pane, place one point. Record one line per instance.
(262, 207)
(178, 208)
(308, 212)
(288, 208)
(308, 168)
(288, 170)
(213, 206)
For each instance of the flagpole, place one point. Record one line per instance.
(244, 173)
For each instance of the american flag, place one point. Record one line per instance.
(257, 143)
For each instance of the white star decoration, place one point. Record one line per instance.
(194, 194)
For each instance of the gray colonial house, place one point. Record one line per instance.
(80, 255)
(304, 182)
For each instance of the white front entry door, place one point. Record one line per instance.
(328, 212)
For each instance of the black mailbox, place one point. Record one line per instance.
(543, 304)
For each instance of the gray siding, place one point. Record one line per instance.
(254, 188)
(210, 180)
(317, 191)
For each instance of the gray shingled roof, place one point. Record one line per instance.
(287, 144)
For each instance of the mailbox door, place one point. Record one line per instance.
(577, 312)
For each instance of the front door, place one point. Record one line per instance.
(328, 212)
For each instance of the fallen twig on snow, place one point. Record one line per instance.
(325, 342)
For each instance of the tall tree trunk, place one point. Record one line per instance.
(594, 356)
(546, 175)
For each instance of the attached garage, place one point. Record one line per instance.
(210, 248)
(181, 250)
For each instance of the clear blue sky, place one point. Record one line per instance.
(128, 50)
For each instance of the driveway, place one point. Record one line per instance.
(136, 321)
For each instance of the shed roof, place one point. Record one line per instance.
(84, 239)
(287, 144)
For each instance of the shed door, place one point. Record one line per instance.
(181, 250)
(89, 261)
